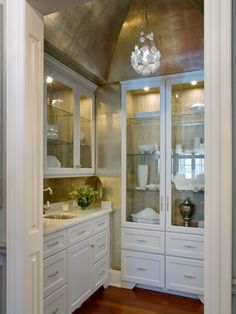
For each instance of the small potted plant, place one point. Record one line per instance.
(84, 196)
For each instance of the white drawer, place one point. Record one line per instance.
(101, 223)
(54, 272)
(143, 240)
(101, 245)
(184, 275)
(54, 242)
(101, 272)
(56, 303)
(190, 246)
(143, 268)
(79, 232)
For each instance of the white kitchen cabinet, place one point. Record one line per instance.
(76, 264)
(68, 122)
(162, 178)
(79, 273)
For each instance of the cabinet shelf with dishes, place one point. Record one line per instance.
(163, 180)
(69, 122)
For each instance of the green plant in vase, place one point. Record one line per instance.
(84, 196)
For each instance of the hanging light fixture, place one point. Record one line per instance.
(145, 57)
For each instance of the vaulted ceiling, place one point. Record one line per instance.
(96, 37)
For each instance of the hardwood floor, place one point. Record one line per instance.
(139, 301)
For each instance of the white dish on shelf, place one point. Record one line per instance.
(52, 136)
(183, 184)
(56, 103)
(198, 108)
(148, 114)
(153, 187)
(147, 148)
(139, 188)
(53, 162)
(146, 215)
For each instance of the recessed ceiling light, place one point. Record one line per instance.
(49, 79)
(193, 83)
(146, 88)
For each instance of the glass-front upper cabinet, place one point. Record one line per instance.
(185, 154)
(68, 123)
(143, 155)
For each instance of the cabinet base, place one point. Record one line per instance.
(127, 284)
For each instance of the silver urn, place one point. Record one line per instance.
(186, 210)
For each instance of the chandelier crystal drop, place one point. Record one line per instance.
(145, 58)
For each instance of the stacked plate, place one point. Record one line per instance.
(52, 132)
(147, 215)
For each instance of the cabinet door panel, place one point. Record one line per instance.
(101, 245)
(143, 152)
(185, 154)
(79, 274)
(143, 268)
(56, 303)
(184, 275)
(143, 240)
(54, 272)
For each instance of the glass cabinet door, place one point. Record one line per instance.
(143, 156)
(185, 183)
(59, 123)
(86, 131)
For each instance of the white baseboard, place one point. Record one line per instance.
(115, 278)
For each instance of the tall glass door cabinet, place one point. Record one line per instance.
(163, 153)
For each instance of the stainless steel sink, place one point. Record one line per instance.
(59, 216)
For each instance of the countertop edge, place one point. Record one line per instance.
(57, 225)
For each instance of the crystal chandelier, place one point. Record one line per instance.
(145, 57)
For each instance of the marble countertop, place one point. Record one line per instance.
(53, 225)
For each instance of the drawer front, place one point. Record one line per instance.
(56, 303)
(101, 245)
(79, 232)
(184, 275)
(143, 240)
(101, 272)
(143, 268)
(54, 272)
(101, 223)
(55, 242)
(190, 246)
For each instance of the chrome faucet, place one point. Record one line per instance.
(47, 206)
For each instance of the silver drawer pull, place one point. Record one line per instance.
(141, 269)
(101, 273)
(101, 224)
(80, 233)
(102, 245)
(141, 241)
(92, 245)
(55, 311)
(54, 274)
(190, 246)
(190, 277)
(53, 244)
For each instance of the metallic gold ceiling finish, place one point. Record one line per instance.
(87, 33)
(180, 30)
(97, 38)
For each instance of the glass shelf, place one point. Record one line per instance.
(60, 112)
(58, 142)
(188, 119)
(188, 155)
(151, 154)
(144, 119)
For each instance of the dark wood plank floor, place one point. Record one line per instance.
(139, 301)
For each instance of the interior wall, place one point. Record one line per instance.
(108, 158)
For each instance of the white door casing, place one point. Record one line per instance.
(24, 158)
(218, 156)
